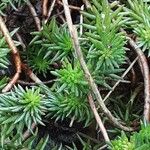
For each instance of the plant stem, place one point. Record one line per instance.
(50, 11)
(98, 119)
(45, 4)
(35, 16)
(145, 69)
(15, 53)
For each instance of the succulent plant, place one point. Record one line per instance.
(61, 44)
(56, 41)
(138, 141)
(70, 78)
(138, 19)
(106, 53)
(15, 143)
(122, 143)
(23, 106)
(13, 3)
(37, 61)
(107, 50)
(62, 106)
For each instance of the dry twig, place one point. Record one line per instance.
(133, 73)
(145, 69)
(33, 83)
(29, 72)
(45, 3)
(88, 76)
(15, 53)
(50, 11)
(98, 119)
(35, 16)
(28, 132)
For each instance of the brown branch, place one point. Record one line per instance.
(15, 53)
(61, 16)
(21, 41)
(98, 119)
(29, 72)
(33, 83)
(133, 73)
(45, 3)
(93, 86)
(35, 16)
(145, 69)
(50, 11)
(27, 133)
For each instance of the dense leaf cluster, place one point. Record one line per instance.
(138, 141)
(51, 54)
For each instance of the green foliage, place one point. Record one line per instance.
(3, 82)
(122, 143)
(61, 43)
(107, 44)
(45, 35)
(138, 16)
(4, 50)
(138, 141)
(142, 139)
(86, 145)
(13, 3)
(62, 106)
(56, 41)
(106, 53)
(37, 61)
(70, 78)
(103, 46)
(16, 143)
(22, 107)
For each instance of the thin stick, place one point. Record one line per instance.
(21, 41)
(31, 74)
(33, 83)
(146, 76)
(50, 11)
(45, 3)
(103, 147)
(61, 16)
(98, 119)
(124, 74)
(81, 21)
(28, 132)
(133, 78)
(93, 86)
(15, 53)
(35, 16)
